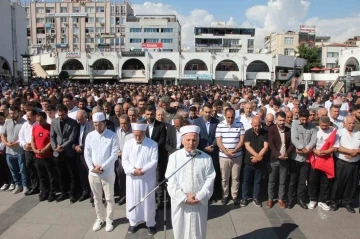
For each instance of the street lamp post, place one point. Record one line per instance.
(348, 81)
(91, 74)
(26, 69)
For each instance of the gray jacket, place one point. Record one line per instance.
(302, 137)
(65, 138)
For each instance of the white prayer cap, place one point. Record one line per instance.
(189, 129)
(137, 126)
(98, 117)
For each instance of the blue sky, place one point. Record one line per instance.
(222, 9)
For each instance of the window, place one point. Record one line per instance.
(50, 20)
(89, 40)
(52, 30)
(89, 19)
(75, 19)
(289, 41)
(63, 19)
(76, 30)
(115, 41)
(250, 43)
(49, 10)
(63, 9)
(167, 50)
(76, 49)
(135, 29)
(167, 40)
(64, 41)
(333, 54)
(331, 65)
(112, 21)
(151, 29)
(63, 30)
(40, 10)
(40, 41)
(28, 22)
(76, 40)
(52, 40)
(89, 30)
(99, 40)
(166, 30)
(27, 10)
(100, 19)
(100, 9)
(288, 51)
(99, 30)
(135, 40)
(40, 30)
(151, 40)
(76, 9)
(89, 9)
(40, 20)
(122, 21)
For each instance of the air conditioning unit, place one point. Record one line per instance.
(102, 24)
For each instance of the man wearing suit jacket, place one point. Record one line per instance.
(207, 143)
(109, 124)
(116, 118)
(157, 132)
(173, 139)
(78, 146)
(63, 133)
(279, 137)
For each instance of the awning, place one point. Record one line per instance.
(134, 80)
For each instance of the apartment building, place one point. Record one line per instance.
(330, 54)
(77, 25)
(284, 43)
(153, 33)
(220, 37)
(355, 41)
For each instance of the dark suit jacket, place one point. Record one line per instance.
(205, 138)
(171, 140)
(275, 142)
(159, 136)
(115, 120)
(66, 138)
(89, 127)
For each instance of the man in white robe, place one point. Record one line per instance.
(139, 160)
(191, 187)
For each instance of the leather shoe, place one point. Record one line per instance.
(334, 207)
(290, 205)
(73, 199)
(302, 204)
(84, 197)
(32, 192)
(43, 197)
(282, 204)
(224, 201)
(122, 201)
(62, 197)
(51, 198)
(349, 208)
(237, 202)
(269, 204)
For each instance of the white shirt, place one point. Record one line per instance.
(338, 124)
(344, 107)
(123, 137)
(321, 137)
(25, 134)
(150, 127)
(246, 121)
(328, 105)
(343, 138)
(71, 113)
(2, 145)
(178, 139)
(82, 129)
(101, 149)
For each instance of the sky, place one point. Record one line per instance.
(338, 19)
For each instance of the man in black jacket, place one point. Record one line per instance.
(157, 132)
(173, 139)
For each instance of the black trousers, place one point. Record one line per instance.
(83, 173)
(46, 172)
(345, 183)
(32, 172)
(298, 176)
(5, 174)
(120, 178)
(66, 165)
(217, 184)
(160, 176)
(319, 186)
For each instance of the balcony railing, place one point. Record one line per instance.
(209, 45)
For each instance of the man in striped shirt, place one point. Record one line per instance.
(230, 140)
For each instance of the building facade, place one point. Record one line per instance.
(13, 38)
(153, 33)
(220, 37)
(322, 40)
(169, 67)
(76, 26)
(330, 54)
(355, 41)
(282, 43)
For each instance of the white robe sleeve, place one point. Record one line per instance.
(176, 193)
(207, 189)
(113, 156)
(151, 166)
(128, 167)
(87, 153)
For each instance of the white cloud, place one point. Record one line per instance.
(196, 17)
(275, 16)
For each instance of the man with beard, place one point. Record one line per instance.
(118, 110)
(303, 136)
(157, 132)
(356, 113)
(207, 143)
(247, 116)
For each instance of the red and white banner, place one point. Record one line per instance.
(152, 45)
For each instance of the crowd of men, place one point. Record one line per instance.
(83, 142)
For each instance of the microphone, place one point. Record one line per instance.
(195, 153)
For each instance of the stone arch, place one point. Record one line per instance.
(4, 66)
(164, 64)
(227, 65)
(72, 65)
(133, 64)
(351, 64)
(196, 65)
(257, 66)
(103, 64)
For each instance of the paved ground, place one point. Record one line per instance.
(25, 218)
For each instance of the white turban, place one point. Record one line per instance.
(189, 129)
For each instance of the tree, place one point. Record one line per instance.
(64, 75)
(311, 54)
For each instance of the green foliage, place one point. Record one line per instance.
(311, 54)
